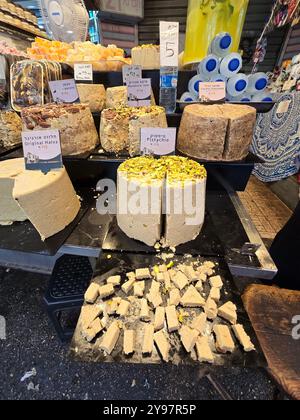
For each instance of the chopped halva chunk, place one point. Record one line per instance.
(199, 323)
(205, 355)
(123, 308)
(145, 311)
(243, 338)
(90, 333)
(215, 294)
(167, 280)
(160, 277)
(92, 293)
(175, 297)
(209, 264)
(159, 320)
(228, 312)
(107, 290)
(180, 280)
(224, 341)
(192, 298)
(172, 319)
(126, 287)
(139, 288)
(155, 299)
(155, 287)
(163, 268)
(130, 275)
(163, 345)
(114, 280)
(142, 274)
(112, 306)
(206, 270)
(89, 314)
(128, 345)
(110, 338)
(189, 271)
(199, 286)
(188, 337)
(148, 340)
(216, 282)
(211, 309)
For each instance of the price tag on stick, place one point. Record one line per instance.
(131, 73)
(83, 72)
(158, 141)
(139, 92)
(64, 91)
(42, 150)
(169, 43)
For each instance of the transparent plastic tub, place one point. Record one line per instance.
(206, 19)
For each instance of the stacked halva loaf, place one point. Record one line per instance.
(165, 182)
(216, 132)
(48, 201)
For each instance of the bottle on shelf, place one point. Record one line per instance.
(168, 88)
(231, 65)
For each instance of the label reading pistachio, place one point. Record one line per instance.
(158, 141)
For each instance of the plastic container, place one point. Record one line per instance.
(194, 84)
(27, 84)
(231, 65)
(257, 83)
(262, 97)
(221, 44)
(188, 97)
(237, 85)
(209, 65)
(218, 78)
(208, 18)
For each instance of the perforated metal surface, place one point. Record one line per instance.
(71, 277)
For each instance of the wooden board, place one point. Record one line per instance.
(271, 311)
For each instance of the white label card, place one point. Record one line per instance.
(158, 141)
(169, 43)
(212, 91)
(83, 72)
(42, 150)
(64, 91)
(139, 92)
(131, 73)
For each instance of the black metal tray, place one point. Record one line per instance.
(125, 262)
(7, 150)
(23, 237)
(206, 244)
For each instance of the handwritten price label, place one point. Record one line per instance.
(64, 91)
(83, 72)
(139, 92)
(131, 73)
(169, 44)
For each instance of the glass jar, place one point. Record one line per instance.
(206, 19)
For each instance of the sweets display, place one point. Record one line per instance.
(93, 95)
(147, 56)
(166, 179)
(10, 129)
(75, 123)
(117, 97)
(216, 132)
(136, 314)
(120, 128)
(48, 201)
(110, 58)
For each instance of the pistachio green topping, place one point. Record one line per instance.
(175, 168)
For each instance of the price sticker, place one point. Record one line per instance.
(158, 141)
(139, 92)
(169, 44)
(212, 91)
(83, 72)
(131, 73)
(64, 91)
(42, 150)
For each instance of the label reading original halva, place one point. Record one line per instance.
(42, 150)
